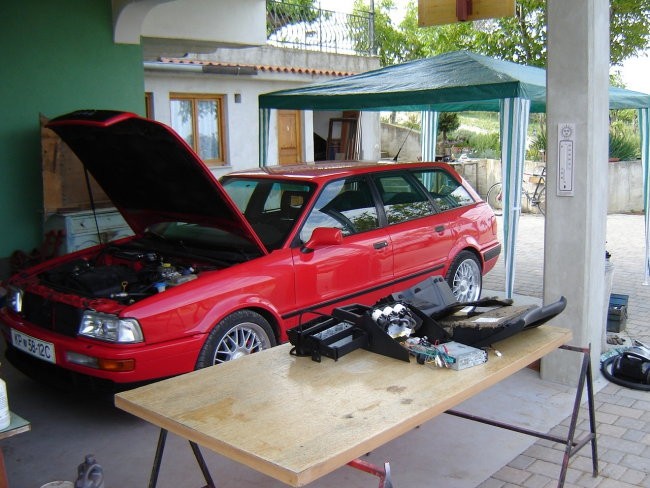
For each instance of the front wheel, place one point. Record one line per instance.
(239, 334)
(494, 198)
(464, 277)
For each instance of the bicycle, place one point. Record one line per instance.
(535, 201)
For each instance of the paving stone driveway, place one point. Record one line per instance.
(623, 414)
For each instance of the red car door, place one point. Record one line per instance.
(421, 237)
(357, 270)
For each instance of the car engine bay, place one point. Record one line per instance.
(126, 273)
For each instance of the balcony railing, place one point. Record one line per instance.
(311, 28)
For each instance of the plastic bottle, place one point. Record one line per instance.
(5, 416)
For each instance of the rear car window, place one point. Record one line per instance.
(402, 199)
(446, 191)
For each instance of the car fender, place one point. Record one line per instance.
(177, 316)
(235, 303)
(464, 243)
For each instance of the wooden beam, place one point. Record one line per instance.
(438, 12)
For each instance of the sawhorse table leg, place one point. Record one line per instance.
(153, 480)
(572, 446)
(383, 474)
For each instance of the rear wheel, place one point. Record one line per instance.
(464, 277)
(239, 334)
(494, 198)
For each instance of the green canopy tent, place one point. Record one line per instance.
(455, 82)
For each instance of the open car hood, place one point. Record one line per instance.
(150, 174)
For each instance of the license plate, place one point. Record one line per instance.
(36, 347)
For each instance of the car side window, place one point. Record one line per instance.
(445, 190)
(271, 207)
(402, 199)
(344, 204)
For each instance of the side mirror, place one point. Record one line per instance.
(323, 236)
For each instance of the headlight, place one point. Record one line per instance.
(15, 299)
(111, 328)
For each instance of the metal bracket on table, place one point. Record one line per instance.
(383, 474)
(153, 481)
(572, 446)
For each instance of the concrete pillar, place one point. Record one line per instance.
(577, 98)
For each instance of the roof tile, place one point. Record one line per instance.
(259, 67)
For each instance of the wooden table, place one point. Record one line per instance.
(296, 420)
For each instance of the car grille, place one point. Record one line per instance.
(55, 316)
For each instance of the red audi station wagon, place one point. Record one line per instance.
(221, 269)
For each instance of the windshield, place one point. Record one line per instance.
(272, 207)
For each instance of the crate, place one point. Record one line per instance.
(326, 336)
(617, 312)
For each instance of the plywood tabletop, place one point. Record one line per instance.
(296, 420)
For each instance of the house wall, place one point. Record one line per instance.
(204, 20)
(59, 57)
(242, 119)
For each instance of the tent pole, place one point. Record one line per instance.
(513, 117)
(429, 134)
(265, 117)
(644, 128)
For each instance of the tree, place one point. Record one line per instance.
(521, 38)
(448, 122)
(629, 29)
(279, 14)
(390, 41)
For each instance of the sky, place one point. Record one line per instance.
(635, 71)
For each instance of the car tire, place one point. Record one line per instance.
(464, 277)
(239, 334)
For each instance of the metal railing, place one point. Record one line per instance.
(312, 28)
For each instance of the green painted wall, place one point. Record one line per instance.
(58, 56)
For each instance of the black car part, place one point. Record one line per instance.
(630, 368)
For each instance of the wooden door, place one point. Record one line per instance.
(289, 138)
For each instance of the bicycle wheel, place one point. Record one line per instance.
(494, 198)
(538, 203)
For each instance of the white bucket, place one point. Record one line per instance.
(5, 417)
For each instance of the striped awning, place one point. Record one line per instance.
(429, 134)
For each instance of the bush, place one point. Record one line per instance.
(485, 145)
(624, 145)
(537, 145)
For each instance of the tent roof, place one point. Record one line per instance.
(451, 82)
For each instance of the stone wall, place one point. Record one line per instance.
(394, 136)
(625, 181)
(625, 177)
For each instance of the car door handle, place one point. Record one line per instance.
(380, 244)
(439, 228)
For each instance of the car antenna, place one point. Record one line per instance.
(403, 142)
